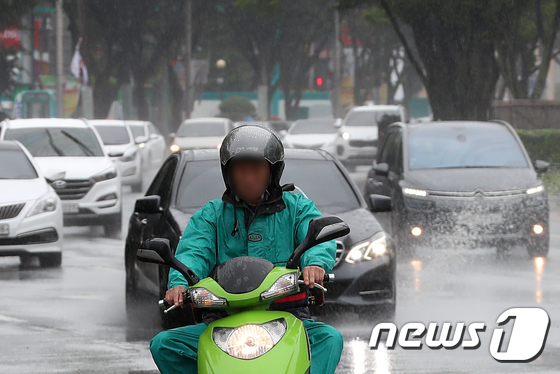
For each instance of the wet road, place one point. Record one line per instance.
(72, 319)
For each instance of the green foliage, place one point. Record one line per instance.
(237, 108)
(543, 145)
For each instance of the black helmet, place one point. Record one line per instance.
(252, 141)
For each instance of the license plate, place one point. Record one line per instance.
(482, 219)
(70, 208)
(4, 229)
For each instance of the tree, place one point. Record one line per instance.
(455, 42)
(527, 47)
(125, 39)
(378, 56)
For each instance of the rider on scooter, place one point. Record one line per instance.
(255, 217)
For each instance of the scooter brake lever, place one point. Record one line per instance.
(316, 285)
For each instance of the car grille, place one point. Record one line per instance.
(362, 143)
(339, 252)
(10, 211)
(73, 189)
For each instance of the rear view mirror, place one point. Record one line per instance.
(158, 251)
(338, 123)
(541, 166)
(320, 230)
(116, 154)
(381, 169)
(380, 203)
(148, 205)
(140, 139)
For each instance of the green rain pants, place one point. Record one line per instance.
(175, 350)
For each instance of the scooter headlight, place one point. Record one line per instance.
(202, 298)
(249, 341)
(287, 283)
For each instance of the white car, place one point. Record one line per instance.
(120, 145)
(70, 156)
(30, 210)
(311, 133)
(356, 143)
(153, 148)
(200, 133)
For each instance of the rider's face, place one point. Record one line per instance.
(251, 178)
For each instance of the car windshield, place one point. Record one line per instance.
(371, 118)
(14, 164)
(137, 130)
(113, 135)
(465, 146)
(313, 127)
(331, 192)
(57, 141)
(201, 129)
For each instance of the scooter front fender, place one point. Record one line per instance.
(290, 355)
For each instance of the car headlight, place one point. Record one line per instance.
(175, 148)
(46, 203)
(369, 249)
(285, 284)
(203, 298)
(345, 135)
(414, 192)
(129, 155)
(249, 341)
(534, 190)
(141, 145)
(105, 175)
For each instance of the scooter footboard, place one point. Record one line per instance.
(272, 342)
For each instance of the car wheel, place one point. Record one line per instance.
(50, 260)
(113, 226)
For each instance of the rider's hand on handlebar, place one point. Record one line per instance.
(312, 275)
(174, 296)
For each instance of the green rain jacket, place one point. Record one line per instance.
(216, 233)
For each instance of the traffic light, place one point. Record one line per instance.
(319, 82)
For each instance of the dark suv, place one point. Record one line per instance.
(365, 259)
(460, 183)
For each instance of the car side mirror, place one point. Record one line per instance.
(171, 135)
(338, 123)
(148, 205)
(381, 169)
(158, 251)
(116, 154)
(541, 166)
(379, 203)
(320, 230)
(153, 136)
(140, 139)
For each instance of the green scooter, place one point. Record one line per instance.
(251, 339)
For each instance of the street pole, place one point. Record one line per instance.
(59, 62)
(337, 54)
(188, 58)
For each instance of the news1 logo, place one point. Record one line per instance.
(526, 341)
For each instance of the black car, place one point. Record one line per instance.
(365, 266)
(458, 182)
